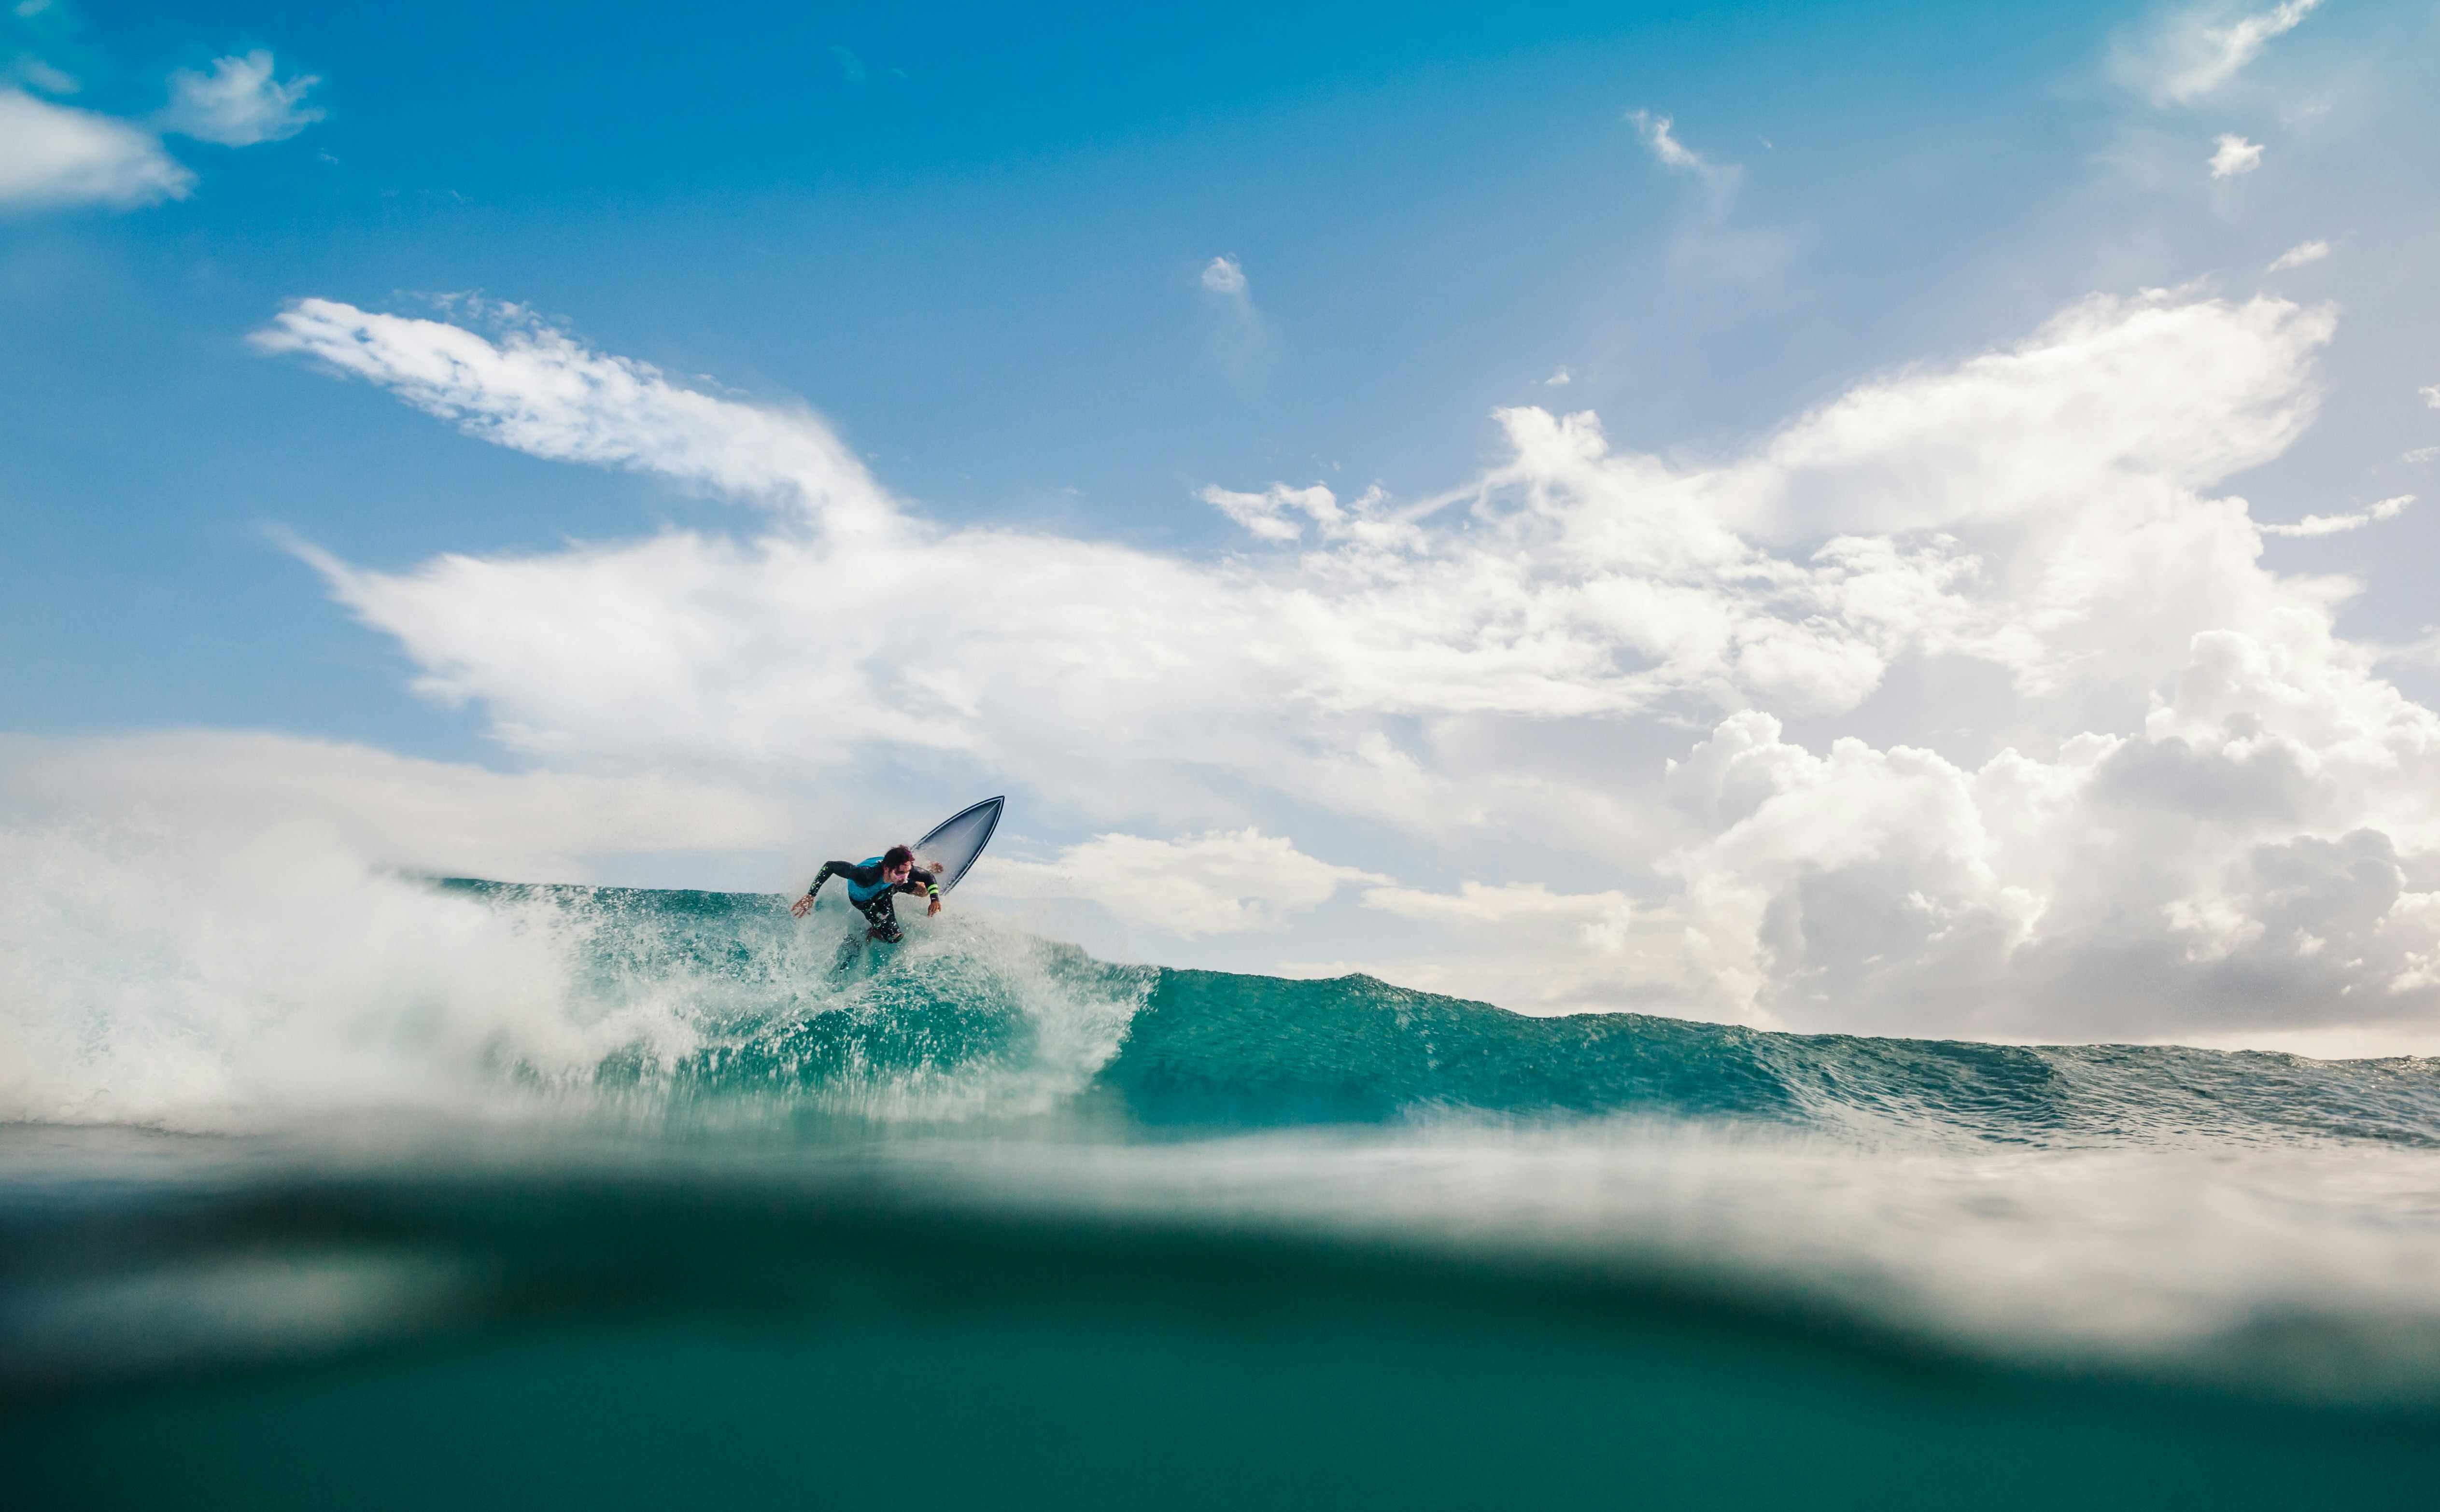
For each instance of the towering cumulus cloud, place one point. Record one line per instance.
(2150, 791)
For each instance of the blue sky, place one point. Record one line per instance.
(982, 248)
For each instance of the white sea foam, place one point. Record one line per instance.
(151, 979)
(148, 980)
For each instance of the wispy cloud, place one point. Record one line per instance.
(1707, 251)
(1240, 337)
(1560, 379)
(1264, 515)
(2331, 524)
(239, 103)
(1516, 940)
(1271, 515)
(1218, 883)
(32, 70)
(223, 787)
(856, 72)
(2299, 254)
(2235, 155)
(54, 155)
(1659, 136)
(535, 390)
(2431, 395)
(2195, 51)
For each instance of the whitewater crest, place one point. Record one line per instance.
(157, 984)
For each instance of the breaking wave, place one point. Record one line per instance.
(297, 983)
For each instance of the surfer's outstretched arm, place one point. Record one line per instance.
(859, 875)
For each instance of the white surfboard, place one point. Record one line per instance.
(950, 849)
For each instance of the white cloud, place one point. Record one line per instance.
(2422, 453)
(2299, 254)
(2235, 155)
(2198, 50)
(2236, 859)
(43, 75)
(2424, 650)
(226, 788)
(1657, 136)
(1519, 943)
(1223, 276)
(1265, 513)
(1560, 379)
(1218, 883)
(1504, 666)
(536, 391)
(2331, 524)
(238, 103)
(53, 155)
(2431, 395)
(1270, 515)
(1596, 582)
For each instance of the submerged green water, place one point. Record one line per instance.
(609, 1341)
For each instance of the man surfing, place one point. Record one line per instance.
(873, 885)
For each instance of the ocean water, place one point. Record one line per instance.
(320, 1186)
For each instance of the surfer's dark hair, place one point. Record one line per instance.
(895, 856)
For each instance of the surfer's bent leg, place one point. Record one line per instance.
(883, 916)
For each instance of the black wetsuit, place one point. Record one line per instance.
(873, 895)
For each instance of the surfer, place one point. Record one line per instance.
(873, 885)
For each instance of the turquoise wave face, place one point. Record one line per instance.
(972, 1020)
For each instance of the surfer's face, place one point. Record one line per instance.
(898, 873)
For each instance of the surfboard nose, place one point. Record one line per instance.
(950, 849)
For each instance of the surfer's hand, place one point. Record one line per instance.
(934, 909)
(803, 906)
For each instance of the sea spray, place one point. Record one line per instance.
(146, 979)
(153, 981)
